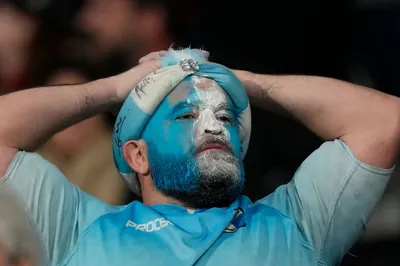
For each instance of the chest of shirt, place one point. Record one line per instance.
(224, 237)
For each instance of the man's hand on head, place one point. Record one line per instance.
(152, 56)
(126, 81)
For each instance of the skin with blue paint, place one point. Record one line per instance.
(197, 114)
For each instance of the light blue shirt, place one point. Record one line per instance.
(312, 220)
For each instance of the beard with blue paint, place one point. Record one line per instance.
(194, 148)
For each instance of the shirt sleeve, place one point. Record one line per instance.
(331, 197)
(60, 210)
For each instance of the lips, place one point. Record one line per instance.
(212, 146)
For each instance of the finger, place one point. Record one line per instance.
(144, 58)
(206, 53)
(153, 55)
(162, 53)
(203, 52)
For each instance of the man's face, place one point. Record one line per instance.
(194, 146)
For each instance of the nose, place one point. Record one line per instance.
(215, 131)
(211, 125)
(208, 124)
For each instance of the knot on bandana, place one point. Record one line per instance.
(143, 100)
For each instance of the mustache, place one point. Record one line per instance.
(214, 140)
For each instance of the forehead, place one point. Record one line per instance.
(198, 90)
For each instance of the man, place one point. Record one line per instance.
(183, 154)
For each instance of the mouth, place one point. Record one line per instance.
(215, 145)
(212, 146)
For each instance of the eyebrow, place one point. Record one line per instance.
(183, 105)
(223, 106)
(193, 104)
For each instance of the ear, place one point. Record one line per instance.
(135, 154)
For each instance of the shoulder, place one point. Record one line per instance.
(92, 209)
(29, 164)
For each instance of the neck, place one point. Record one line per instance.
(151, 196)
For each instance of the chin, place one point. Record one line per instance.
(221, 180)
(219, 163)
(213, 178)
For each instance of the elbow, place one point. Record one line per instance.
(382, 119)
(395, 116)
(397, 121)
(377, 140)
(391, 123)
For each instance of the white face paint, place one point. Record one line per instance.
(213, 121)
(212, 111)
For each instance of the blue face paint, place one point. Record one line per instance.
(185, 116)
(195, 111)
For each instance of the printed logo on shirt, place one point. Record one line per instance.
(237, 222)
(151, 226)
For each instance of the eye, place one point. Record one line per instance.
(224, 118)
(188, 116)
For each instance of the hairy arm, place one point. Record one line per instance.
(29, 117)
(366, 119)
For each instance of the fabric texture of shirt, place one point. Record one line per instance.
(312, 220)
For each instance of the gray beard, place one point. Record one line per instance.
(218, 166)
(211, 179)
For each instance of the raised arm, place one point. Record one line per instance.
(30, 117)
(366, 119)
(60, 210)
(335, 190)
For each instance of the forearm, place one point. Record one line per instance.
(30, 117)
(329, 107)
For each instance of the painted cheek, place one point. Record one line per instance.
(174, 139)
(235, 140)
(167, 136)
(180, 137)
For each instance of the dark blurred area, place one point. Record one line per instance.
(47, 42)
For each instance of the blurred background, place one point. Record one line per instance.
(48, 42)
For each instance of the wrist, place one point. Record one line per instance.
(243, 75)
(104, 92)
(249, 80)
(122, 84)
